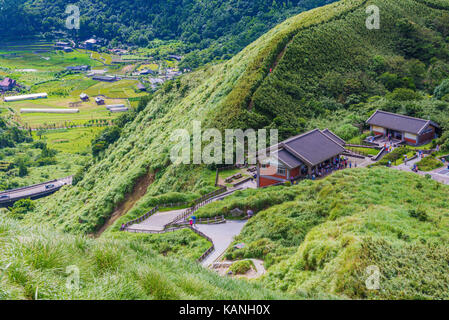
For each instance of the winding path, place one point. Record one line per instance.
(222, 236)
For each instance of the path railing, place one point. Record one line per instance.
(140, 219)
(198, 204)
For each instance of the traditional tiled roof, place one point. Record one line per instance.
(310, 148)
(334, 137)
(399, 122)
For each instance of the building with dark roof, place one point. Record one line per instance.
(7, 84)
(104, 78)
(411, 130)
(78, 68)
(298, 157)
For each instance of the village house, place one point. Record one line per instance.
(90, 44)
(313, 153)
(84, 97)
(99, 100)
(7, 84)
(413, 131)
(104, 78)
(78, 68)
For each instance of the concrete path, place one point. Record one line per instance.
(157, 221)
(222, 236)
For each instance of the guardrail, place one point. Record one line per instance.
(198, 204)
(140, 219)
(202, 202)
(32, 186)
(208, 251)
(381, 152)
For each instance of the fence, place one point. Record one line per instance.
(208, 251)
(198, 204)
(140, 219)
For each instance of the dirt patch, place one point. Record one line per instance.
(139, 190)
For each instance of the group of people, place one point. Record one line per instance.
(336, 164)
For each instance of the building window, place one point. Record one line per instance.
(282, 171)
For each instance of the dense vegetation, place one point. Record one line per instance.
(321, 236)
(209, 29)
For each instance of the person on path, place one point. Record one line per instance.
(191, 222)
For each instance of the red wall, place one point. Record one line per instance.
(294, 172)
(410, 140)
(265, 182)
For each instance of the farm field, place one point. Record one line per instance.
(46, 61)
(88, 111)
(73, 140)
(117, 89)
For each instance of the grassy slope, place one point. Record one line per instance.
(320, 236)
(219, 95)
(38, 259)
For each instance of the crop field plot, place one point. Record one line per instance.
(46, 61)
(73, 140)
(117, 89)
(149, 66)
(65, 85)
(88, 111)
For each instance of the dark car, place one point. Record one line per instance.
(49, 186)
(4, 197)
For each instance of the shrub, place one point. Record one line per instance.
(419, 214)
(442, 90)
(21, 207)
(241, 267)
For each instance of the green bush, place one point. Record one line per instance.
(241, 267)
(419, 214)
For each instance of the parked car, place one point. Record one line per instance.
(49, 186)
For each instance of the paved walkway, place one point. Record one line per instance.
(222, 236)
(157, 221)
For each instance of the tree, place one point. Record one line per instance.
(21, 207)
(441, 90)
(23, 170)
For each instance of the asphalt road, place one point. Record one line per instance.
(28, 192)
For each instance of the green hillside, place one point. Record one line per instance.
(227, 95)
(320, 236)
